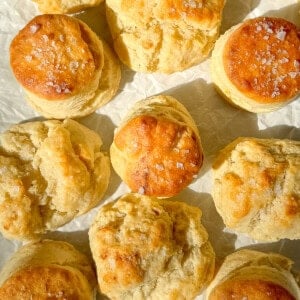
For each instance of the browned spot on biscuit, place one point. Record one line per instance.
(250, 289)
(163, 156)
(54, 56)
(262, 59)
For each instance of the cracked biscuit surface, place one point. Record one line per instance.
(51, 172)
(163, 36)
(146, 248)
(257, 187)
(65, 6)
(255, 65)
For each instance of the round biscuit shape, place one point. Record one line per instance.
(157, 149)
(256, 187)
(163, 36)
(51, 172)
(255, 65)
(145, 248)
(65, 6)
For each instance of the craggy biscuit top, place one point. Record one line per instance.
(196, 13)
(256, 187)
(163, 36)
(56, 56)
(145, 248)
(163, 156)
(51, 171)
(262, 59)
(254, 275)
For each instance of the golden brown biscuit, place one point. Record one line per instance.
(256, 64)
(47, 270)
(257, 187)
(163, 36)
(51, 172)
(253, 275)
(63, 66)
(157, 149)
(65, 6)
(145, 248)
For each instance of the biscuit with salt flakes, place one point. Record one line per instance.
(64, 68)
(249, 274)
(65, 6)
(257, 188)
(163, 36)
(157, 149)
(256, 64)
(51, 172)
(47, 270)
(145, 248)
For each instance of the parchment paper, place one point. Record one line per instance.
(218, 122)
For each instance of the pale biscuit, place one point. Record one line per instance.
(157, 149)
(145, 248)
(248, 274)
(65, 6)
(257, 188)
(163, 36)
(64, 68)
(51, 172)
(256, 65)
(47, 270)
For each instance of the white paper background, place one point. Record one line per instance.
(218, 122)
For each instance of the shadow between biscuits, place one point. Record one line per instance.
(235, 12)
(290, 13)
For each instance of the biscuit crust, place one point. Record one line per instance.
(65, 6)
(256, 187)
(252, 289)
(163, 36)
(56, 57)
(51, 172)
(255, 65)
(145, 248)
(157, 151)
(262, 59)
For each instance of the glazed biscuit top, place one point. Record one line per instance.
(197, 13)
(250, 289)
(46, 282)
(164, 155)
(56, 56)
(262, 59)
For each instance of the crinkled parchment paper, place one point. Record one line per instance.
(218, 122)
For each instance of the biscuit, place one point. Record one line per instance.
(47, 270)
(248, 274)
(64, 68)
(163, 36)
(65, 6)
(145, 248)
(257, 188)
(51, 172)
(256, 64)
(157, 149)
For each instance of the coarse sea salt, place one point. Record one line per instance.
(34, 28)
